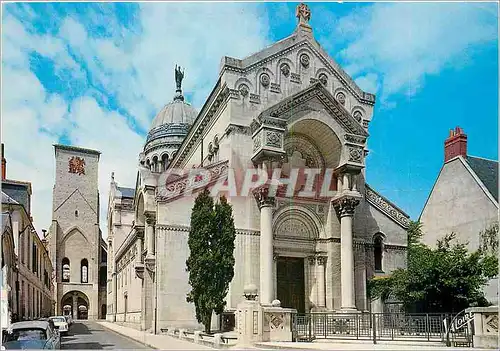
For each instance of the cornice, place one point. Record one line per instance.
(386, 207)
(284, 108)
(334, 68)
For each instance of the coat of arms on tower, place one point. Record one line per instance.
(77, 165)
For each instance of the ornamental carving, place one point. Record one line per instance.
(139, 270)
(387, 208)
(295, 78)
(76, 165)
(286, 109)
(304, 60)
(265, 79)
(275, 320)
(346, 206)
(275, 88)
(354, 139)
(149, 262)
(312, 260)
(263, 199)
(321, 260)
(356, 154)
(175, 188)
(491, 323)
(323, 78)
(244, 90)
(238, 129)
(257, 142)
(273, 139)
(254, 98)
(358, 116)
(303, 13)
(341, 98)
(285, 69)
(293, 227)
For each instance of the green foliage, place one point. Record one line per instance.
(211, 260)
(448, 278)
(489, 240)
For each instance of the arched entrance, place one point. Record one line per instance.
(75, 304)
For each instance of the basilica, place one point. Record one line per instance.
(289, 106)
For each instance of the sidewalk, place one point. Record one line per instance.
(361, 345)
(162, 342)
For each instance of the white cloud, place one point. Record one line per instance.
(133, 67)
(405, 42)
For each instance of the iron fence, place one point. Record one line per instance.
(370, 326)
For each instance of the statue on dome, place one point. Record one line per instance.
(303, 13)
(179, 75)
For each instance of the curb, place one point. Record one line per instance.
(128, 336)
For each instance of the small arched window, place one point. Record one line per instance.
(378, 249)
(155, 164)
(65, 270)
(84, 271)
(164, 161)
(76, 213)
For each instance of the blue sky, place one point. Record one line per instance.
(94, 75)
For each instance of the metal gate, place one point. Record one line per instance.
(370, 326)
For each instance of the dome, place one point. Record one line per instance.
(173, 121)
(177, 111)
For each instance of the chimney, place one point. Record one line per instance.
(4, 164)
(455, 145)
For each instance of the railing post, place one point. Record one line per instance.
(310, 326)
(374, 328)
(324, 326)
(427, 327)
(357, 326)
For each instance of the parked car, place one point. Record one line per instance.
(60, 324)
(31, 335)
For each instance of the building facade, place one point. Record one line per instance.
(288, 107)
(463, 200)
(77, 250)
(25, 258)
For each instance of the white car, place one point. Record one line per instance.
(60, 324)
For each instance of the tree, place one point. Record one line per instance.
(447, 278)
(211, 258)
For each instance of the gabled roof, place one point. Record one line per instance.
(6, 199)
(487, 172)
(126, 192)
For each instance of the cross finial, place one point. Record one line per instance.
(303, 13)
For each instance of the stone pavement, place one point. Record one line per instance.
(166, 342)
(162, 342)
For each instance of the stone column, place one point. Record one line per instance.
(115, 295)
(320, 276)
(150, 223)
(345, 209)
(266, 287)
(313, 281)
(275, 276)
(75, 306)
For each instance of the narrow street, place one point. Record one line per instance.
(92, 336)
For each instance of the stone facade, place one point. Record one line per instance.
(26, 266)
(464, 200)
(76, 248)
(288, 106)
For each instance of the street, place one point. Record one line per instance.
(90, 335)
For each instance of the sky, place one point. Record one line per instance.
(95, 74)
